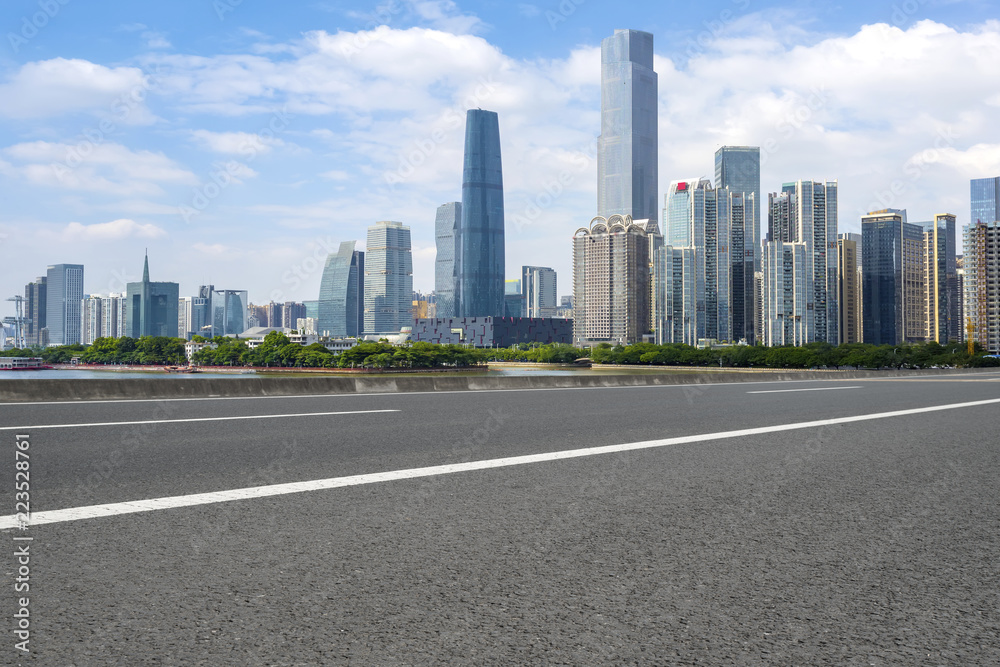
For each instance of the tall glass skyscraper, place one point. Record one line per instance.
(985, 200)
(627, 149)
(893, 283)
(64, 296)
(480, 260)
(341, 305)
(388, 287)
(446, 228)
(738, 168)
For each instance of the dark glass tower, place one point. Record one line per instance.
(480, 258)
(627, 149)
(151, 309)
(341, 303)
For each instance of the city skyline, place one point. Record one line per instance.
(265, 221)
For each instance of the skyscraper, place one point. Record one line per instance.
(480, 260)
(538, 288)
(64, 295)
(981, 259)
(627, 149)
(807, 212)
(738, 168)
(151, 308)
(34, 311)
(388, 272)
(849, 287)
(342, 293)
(446, 234)
(985, 199)
(941, 274)
(892, 280)
(611, 282)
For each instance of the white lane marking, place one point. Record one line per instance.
(114, 509)
(782, 391)
(832, 378)
(196, 419)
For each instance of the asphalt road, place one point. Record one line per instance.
(870, 542)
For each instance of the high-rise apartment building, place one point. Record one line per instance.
(611, 281)
(388, 284)
(942, 298)
(342, 293)
(447, 224)
(893, 282)
(102, 316)
(627, 148)
(480, 261)
(34, 312)
(807, 212)
(64, 294)
(786, 285)
(717, 226)
(981, 261)
(538, 289)
(151, 308)
(849, 287)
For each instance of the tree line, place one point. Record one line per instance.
(277, 351)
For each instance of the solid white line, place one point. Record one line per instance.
(197, 419)
(115, 509)
(782, 391)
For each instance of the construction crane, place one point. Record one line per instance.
(18, 321)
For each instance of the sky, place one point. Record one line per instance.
(240, 142)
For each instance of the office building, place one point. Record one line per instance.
(611, 281)
(738, 168)
(786, 281)
(388, 279)
(893, 281)
(447, 223)
(64, 294)
(942, 297)
(34, 312)
(229, 312)
(151, 308)
(627, 148)
(538, 289)
(849, 287)
(342, 294)
(675, 296)
(480, 261)
(985, 199)
(981, 261)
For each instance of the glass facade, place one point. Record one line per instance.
(446, 233)
(480, 261)
(738, 168)
(889, 286)
(35, 297)
(341, 305)
(627, 148)
(985, 197)
(64, 294)
(388, 271)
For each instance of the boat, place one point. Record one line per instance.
(181, 369)
(23, 364)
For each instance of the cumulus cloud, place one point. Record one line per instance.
(237, 143)
(110, 231)
(54, 87)
(107, 167)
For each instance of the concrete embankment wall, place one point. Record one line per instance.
(24, 390)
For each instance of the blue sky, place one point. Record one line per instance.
(240, 143)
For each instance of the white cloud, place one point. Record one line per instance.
(110, 231)
(53, 87)
(237, 143)
(107, 167)
(214, 249)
